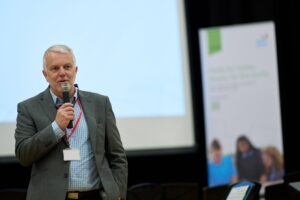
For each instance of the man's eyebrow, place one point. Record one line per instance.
(58, 65)
(52, 66)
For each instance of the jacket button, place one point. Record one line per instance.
(66, 175)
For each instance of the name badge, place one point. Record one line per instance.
(71, 154)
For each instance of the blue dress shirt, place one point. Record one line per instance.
(83, 173)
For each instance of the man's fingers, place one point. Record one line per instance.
(66, 105)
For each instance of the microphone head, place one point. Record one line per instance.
(65, 87)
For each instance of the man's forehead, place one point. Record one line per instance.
(58, 53)
(55, 56)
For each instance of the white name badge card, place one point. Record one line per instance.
(71, 154)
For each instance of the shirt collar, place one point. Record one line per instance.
(54, 97)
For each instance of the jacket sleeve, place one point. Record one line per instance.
(31, 144)
(115, 152)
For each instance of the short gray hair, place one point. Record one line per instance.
(59, 48)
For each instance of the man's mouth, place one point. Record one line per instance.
(62, 81)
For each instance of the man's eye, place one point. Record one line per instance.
(67, 67)
(54, 69)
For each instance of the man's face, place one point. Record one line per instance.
(60, 68)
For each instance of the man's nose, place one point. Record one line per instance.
(62, 71)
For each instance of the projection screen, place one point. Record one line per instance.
(132, 51)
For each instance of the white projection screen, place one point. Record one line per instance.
(241, 100)
(132, 51)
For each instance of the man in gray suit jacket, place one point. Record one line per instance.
(86, 161)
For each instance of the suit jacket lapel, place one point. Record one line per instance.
(48, 105)
(87, 106)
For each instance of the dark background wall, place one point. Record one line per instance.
(189, 165)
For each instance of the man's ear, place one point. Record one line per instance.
(45, 74)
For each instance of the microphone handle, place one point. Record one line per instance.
(70, 125)
(66, 98)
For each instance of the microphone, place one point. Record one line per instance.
(65, 87)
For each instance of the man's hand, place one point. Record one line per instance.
(64, 114)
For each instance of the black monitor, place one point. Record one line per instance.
(292, 181)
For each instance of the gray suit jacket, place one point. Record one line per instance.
(37, 145)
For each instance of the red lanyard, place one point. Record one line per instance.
(76, 123)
